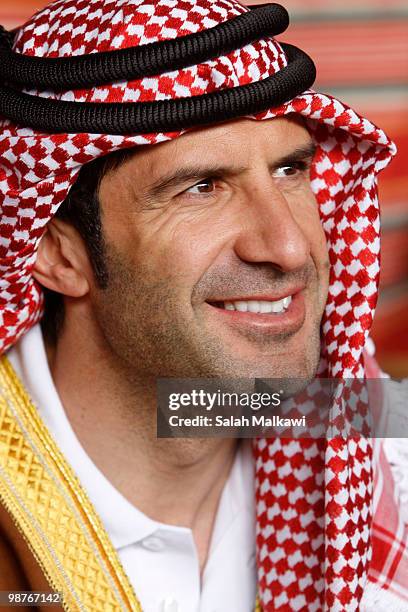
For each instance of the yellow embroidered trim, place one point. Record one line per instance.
(52, 511)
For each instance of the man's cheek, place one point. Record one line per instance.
(189, 255)
(311, 224)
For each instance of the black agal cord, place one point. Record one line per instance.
(87, 71)
(91, 70)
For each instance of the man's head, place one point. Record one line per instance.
(147, 72)
(193, 232)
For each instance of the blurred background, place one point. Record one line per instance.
(361, 51)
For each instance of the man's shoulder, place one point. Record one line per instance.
(19, 570)
(12, 576)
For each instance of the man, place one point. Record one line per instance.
(244, 243)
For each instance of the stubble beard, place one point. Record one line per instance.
(149, 336)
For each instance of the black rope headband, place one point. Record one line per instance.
(156, 58)
(95, 69)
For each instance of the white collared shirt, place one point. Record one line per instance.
(160, 560)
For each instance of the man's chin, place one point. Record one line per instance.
(293, 375)
(290, 358)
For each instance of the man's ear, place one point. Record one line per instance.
(62, 261)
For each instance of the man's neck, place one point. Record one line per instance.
(173, 481)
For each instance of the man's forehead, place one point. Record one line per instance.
(239, 144)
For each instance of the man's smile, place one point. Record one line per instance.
(259, 306)
(273, 316)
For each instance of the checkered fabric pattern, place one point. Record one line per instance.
(314, 498)
(389, 564)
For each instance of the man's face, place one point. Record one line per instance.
(216, 256)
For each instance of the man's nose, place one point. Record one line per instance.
(268, 232)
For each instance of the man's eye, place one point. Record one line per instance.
(203, 187)
(290, 170)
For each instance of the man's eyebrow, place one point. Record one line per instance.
(304, 153)
(190, 173)
(197, 171)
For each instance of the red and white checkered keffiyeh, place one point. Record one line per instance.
(318, 546)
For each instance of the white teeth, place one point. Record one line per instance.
(277, 306)
(265, 307)
(253, 306)
(287, 301)
(241, 306)
(260, 306)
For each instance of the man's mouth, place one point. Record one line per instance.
(266, 314)
(256, 306)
